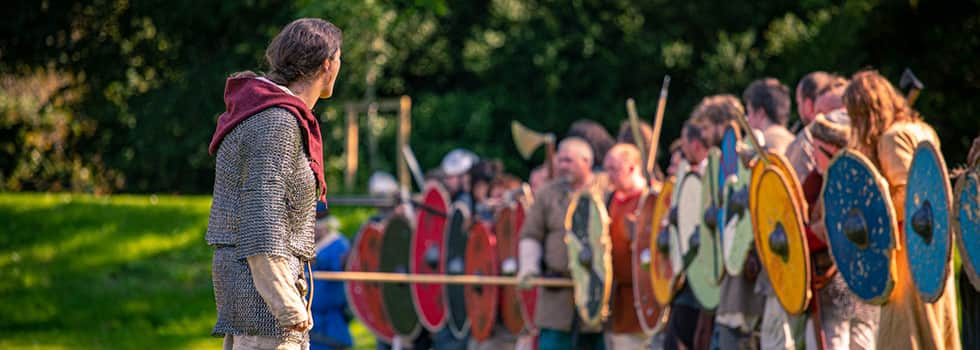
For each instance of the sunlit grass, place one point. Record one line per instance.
(120, 272)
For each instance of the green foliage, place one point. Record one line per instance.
(140, 87)
(122, 272)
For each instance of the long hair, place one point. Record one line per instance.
(874, 105)
(298, 51)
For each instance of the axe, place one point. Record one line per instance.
(527, 141)
(909, 82)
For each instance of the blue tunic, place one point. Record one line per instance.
(330, 320)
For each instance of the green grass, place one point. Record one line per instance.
(119, 272)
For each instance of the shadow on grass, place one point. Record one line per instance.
(108, 273)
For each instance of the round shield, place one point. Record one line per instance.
(928, 233)
(647, 308)
(861, 227)
(705, 271)
(365, 297)
(589, 256)
(727, 168)
(736, 233)
(661, 271)
(428, 256)
(395, 258)
(527, 297)
(967, 223)
(481, 300)
(779, 162)
(508, 242)
(781, 242)
(457, 235)
(684, 220)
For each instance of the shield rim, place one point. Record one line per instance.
(928, 146)
(760, 242)
(708, 195)
(351, 259)
(677, 253)
(744, 176)
(796, 188)
(495, 290)
(889, 207)
(527, 311)
(637, 268)
(414, 288)
(968, 267)
(466, 226)
(663, 206)
(606, 247)
(735, 267)
(506, 291)
(418, 324)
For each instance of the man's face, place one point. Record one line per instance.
(620, 172)
(755, 117)
(822, 154)
(675, 161)
(454, 184)
(572, 165)
(694, 150)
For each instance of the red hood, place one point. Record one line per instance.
(247, 96)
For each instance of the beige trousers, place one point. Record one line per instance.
(254, 342)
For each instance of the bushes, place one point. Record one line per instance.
(141, 87)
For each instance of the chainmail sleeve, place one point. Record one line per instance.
(271, 140)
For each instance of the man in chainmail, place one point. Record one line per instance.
(268, 175)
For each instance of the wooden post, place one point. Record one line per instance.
(404, 130)
(350, 171)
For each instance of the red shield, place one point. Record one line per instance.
(428, 257)
(365, 297)
(647, 309)
(481, 300)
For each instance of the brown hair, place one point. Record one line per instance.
(298, 51)
(713, 114)
(625, 134)
(811, 84)
(873, 105)
(770, 95)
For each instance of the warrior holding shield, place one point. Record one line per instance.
(845, 320)
(887, 131)
(623, 165)
(543, 250)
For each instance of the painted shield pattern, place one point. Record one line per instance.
(481, 300)
(736, 233)
(428, 256)
(395, 259)
(506, 229)
(647, 309)
(365, 297)
(589, 256)
(661, 271)
(928, 218)
(861, 226)
(528, 297)
(457, 234)
(705, 271)
(781, 241)
(685, 221)
(967, 223)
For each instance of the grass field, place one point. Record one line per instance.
(119, 272)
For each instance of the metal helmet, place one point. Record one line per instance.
(458, 162)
